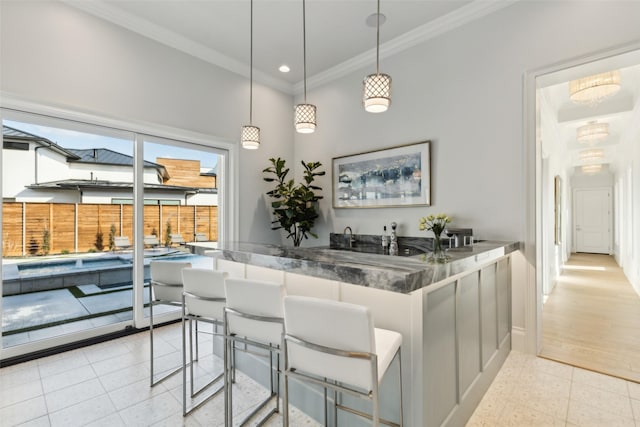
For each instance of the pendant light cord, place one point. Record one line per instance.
(304, 49)
(251, 67)
(377, 41)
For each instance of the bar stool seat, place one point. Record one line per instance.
(203, 300)
(165, 288)
(335, 345)
(253, 316)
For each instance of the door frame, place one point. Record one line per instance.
(528, 338)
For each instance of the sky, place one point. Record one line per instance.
(80, 140)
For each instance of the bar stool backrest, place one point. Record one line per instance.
(334, 324)
(205, 283)
(255, 298)
(167, 279)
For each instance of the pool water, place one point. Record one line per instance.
(60, 266)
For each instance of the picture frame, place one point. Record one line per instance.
(391, 177)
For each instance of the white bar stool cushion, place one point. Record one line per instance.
(168, 273)
(204, 283)
(263, 300)
(339, 325)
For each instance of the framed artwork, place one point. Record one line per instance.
(557, 194)
(391, 177)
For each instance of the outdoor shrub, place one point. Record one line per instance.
(99, 244)
(46, 241)
(112, 238)
(33, 246)
(65, 252)
(167, 234)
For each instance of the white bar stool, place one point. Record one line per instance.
(335, 345)
(165, 288)
(253, 316)
(203, 300)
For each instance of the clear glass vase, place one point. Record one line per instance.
(438, 254)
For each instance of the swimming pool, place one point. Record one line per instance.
(103, 270)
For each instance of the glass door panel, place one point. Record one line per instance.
(181, 206)
(66, 235)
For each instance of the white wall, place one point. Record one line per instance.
(464, 91)
(16, 164)
(628, 202)
(55, 55)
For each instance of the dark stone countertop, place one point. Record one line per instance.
(402, 274)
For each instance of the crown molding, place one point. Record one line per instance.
(474, 10)
(148, 29)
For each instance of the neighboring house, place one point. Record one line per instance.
(36, 169)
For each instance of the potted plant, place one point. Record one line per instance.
(295, 205)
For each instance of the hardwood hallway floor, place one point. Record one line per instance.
(592, 318)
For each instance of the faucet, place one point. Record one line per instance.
(352, 240)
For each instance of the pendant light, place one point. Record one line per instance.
(376, 96)
(250, 137)
(305, 114)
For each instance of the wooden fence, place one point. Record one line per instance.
(54, 228)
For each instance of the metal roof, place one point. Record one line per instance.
(109, 157)
(10, 133)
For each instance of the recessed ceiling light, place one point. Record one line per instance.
(284, 68)
(372, 20)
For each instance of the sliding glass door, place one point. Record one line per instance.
(85, 210)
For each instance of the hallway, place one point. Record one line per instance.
(592, 318)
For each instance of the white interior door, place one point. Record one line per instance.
(592, 207)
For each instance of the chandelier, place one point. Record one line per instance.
(590, 169)
(591, 155)
(592, 132)
(594, 89)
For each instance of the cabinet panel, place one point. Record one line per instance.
(234, 269)
(468, 314)
(504, 299)
(489, 313)
(439, 348)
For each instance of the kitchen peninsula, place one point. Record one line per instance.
(455, 317)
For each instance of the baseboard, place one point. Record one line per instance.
(518, 339)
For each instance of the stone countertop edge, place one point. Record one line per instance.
(403, 274)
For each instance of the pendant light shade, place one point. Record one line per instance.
(376, 92)
(594, 89)
(592, 132)
(250, 135)
(305, 118)
(305, 114)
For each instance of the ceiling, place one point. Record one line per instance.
(339, 41)
(562, 117)
(338, 37)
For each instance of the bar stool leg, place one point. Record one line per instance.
(400, 372)
(151, 331)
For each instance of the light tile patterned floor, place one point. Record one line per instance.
(531, 391)
(108, 385)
